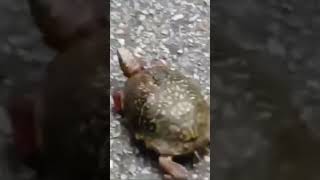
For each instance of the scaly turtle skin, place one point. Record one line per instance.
(165, 110)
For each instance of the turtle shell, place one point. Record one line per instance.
(167, 111)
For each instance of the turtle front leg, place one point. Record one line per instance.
(118, 101)
(173, 170)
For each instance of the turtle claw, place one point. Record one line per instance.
(173, 170)
(117, 99)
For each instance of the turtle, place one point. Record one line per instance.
(164, 109)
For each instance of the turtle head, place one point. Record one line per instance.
(129, 64)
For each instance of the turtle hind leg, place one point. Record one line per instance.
(172, 169)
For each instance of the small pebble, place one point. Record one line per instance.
(177, 17)
(207, 158)
(139, 30)
(145, 171)
(123, 176)
(142, 17)
(132, 169)
(119, 31)
(165, 32)
(121, 42)
(196, 76)
(194, 176)
(193, 18)
(158, 6)
(111, 164)
(138, 52)
(145, 12)
(122, 25)
(180, 51)
(152, 11)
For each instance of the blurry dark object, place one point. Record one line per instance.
(75, 125)
(64, 22)
(60, 128)
(293, 148)
(22, 120)
(66, 123)
(295, 153)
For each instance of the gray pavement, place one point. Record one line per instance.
(178, 31)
